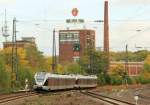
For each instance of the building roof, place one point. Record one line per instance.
(77, 30)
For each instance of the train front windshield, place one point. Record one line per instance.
(40, 77)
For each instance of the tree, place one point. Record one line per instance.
(73, 68)
(144, 77)
(117, 74)
(36, 60)
(93, 62)
(132, 56)
(147, 64)
(4, 75)
(30, 60)
(48, 64)
(24, 73)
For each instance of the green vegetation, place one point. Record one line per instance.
(139, 56)
(92, 63)
(4, 76)
(132, 56)
(30, 60)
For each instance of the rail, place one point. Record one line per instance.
(107, 99)
(4, 98)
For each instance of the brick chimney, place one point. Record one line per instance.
(106, 34)
(106, 28)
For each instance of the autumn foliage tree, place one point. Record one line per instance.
(118, 74)
(93, 62)
(4, 75)
(29, 61)
(144, 77)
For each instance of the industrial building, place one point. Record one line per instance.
(24, 43)
(72, 44)
(132, 68)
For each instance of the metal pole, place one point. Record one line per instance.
(16, 53)
(126, 67)
(126, 63)
(54, 54)
(14, 65)
(55, 51)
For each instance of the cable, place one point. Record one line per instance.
(133, 36)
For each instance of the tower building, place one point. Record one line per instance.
(72, 44)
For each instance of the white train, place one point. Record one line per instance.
(47, 81)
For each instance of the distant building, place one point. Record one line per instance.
(134, 68)
(24, 43)
(72, 44)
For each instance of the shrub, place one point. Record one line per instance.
(115, 80)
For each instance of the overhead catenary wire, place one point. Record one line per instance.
(126, 41)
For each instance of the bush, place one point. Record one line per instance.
(73, 68)
(4, 75)
(24, 73)
(115, 80)
(101, 79)
(144, 79)
(129, 80)
(5, 79)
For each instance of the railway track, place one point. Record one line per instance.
(5, 98)
(143, 96)
(109, 100)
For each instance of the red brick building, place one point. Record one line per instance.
(134, 68)
(73, 42)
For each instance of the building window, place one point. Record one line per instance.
(76, 36)
(69, 37)
(76, 58)
(76, 47)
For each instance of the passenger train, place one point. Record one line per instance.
(48, 82)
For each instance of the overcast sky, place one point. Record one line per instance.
(129, 20)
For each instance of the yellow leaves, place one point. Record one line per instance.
(85, 59)
(22, 56)
(146, 75)
(49, 64)
(8, 68)
(13, 76)
(147, 60)
(8, 50)
(20, 52)
(60, 69)
(118, 69)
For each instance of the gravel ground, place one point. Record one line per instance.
(76, 98)
(66, 98)
(127, 93)
(59, 98)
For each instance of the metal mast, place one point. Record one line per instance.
(54, 62)
(14, 54)
(5, 28)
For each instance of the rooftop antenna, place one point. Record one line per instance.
(5, 28)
